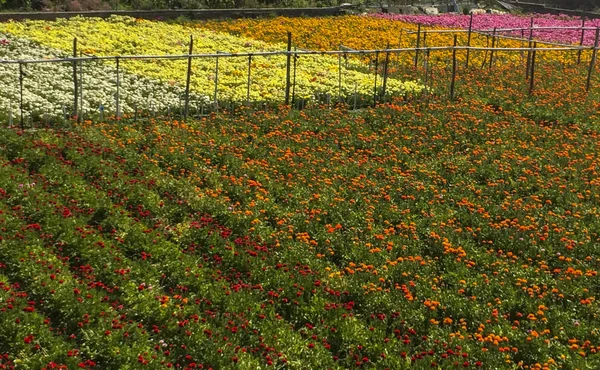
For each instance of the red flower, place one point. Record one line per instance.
(28, 339)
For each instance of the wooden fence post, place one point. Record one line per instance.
(80, 116)
(399, 47)
(593, 61)
(21, 77)
(294, 75)
(287, 68)
(188, 78)
(582, 39)
(453, 69)
(118, 85)
(340, 74)
(469, 40)
(385, 70)
(418, 45)
(375, 85)
(532, 76)
(529, 51)
(493, 46)
(249, 80)
(75, 84)
(216, 102)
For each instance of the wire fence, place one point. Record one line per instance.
(193, 103)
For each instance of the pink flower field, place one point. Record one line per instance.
(489, 21)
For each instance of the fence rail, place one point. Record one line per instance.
(291, 53)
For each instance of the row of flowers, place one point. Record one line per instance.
(460, 235)
(48, 87)
(488, 22)
(377, 32)
(313, 76)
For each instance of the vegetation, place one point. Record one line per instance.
(421, 233)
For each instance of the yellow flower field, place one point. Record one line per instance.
(359, 32)
(127, 36)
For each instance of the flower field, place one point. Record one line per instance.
(420, 233)
(48, 88)
(491, 21)
(126, 36)
(375, 32)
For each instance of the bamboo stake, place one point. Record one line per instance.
(296, 57)
(375, 85)
(418, 45)
(21, 77)
(453, 69)
(399, 47)
(80, 116)
(592, 62)
(340, 76)
(532, 77)
(117, 94)
(582, 39)
(249, 80)
(469, 40)
(287, 68)
(188, 79)
(529, 52)
(75, 85)
(493, 46)
(216, 102)
(385, 71)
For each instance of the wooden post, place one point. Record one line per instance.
(287, 68)
(375, 86)
(581, 40)
(216, 102)
(294, 76)
(469, 40)
(21, 77)
(118, 85)
(529, 51)
(487, 44)
(453, 69)
(80, 116)
(418, 45)
(399, 47)
(75, 84)
(426, 54)
(532, 76)
(188, 78)
(493, 46)
(522, 45)
(340, 75)
(249, 80)
(593, 61)
(385, 70)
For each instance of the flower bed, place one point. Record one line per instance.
(48, 87)
(375, 32)
(491, 21)
(127, 36)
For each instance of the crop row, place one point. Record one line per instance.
(313, 75)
